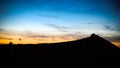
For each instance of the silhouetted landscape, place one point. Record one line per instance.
(90, 50)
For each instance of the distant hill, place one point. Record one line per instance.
(90, 50)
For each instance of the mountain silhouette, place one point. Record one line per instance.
(95, 41)
(90, 50)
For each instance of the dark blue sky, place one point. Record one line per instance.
(74, 6)
(62, 17)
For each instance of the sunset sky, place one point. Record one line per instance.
(46, 21)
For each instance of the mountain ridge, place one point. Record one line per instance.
(93, 49)
(93, 40)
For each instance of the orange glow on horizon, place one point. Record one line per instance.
(117, 44)
(47, 40)
(33, 38)
(35, 41)
(6, 38)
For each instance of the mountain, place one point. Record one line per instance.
(95, 41)
(90, 50)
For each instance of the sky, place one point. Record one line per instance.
(49, 21)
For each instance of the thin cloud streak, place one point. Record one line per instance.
(109, 28)
(114, 38)
(5, 38)
(58, 27)
(48, 38)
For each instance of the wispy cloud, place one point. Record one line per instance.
(118, 27)
(59, 27)
(109, 28)
(1, 30)
(48, 16)
(115, 27)
(112, 28)
(114, 38)
(38, 36)
(5, 38)
(34, 35)
(8, 32)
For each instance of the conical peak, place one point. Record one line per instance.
(93, 35)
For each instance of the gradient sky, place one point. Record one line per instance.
(46, 21)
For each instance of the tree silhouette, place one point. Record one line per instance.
(10, 43)
(20, 39)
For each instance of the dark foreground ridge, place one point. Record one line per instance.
(90, 50)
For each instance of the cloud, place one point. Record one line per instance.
(118, 27)
(114, 38)
(109, 28)
(1, 30)
(89, 23)
(48, 16)
(4, 38)
(38, 36)
(30, 34)
(8, 32)
(114, 28)
(64, 37)
(60, 28)
(4, 31)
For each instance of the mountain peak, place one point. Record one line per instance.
(94, 35)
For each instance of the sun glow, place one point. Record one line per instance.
(117, 44)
